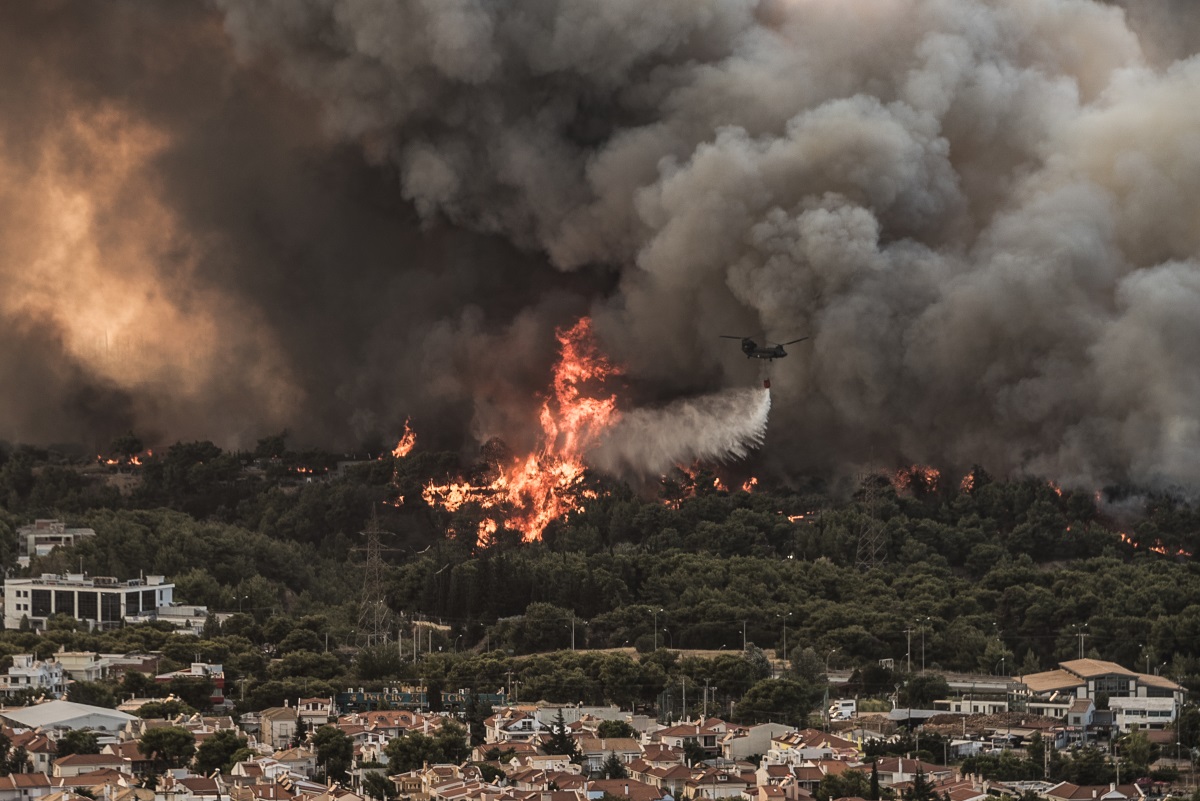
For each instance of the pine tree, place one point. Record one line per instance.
(561, 742)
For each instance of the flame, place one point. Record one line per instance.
(968, 483)
(1158, 546)
(719, 485)
(546, 484)
(133, 460)
(406, 444)
(749, 484)
(1057, 489)
(916, 477)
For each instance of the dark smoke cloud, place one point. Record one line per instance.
(983, 212)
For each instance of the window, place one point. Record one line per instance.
(41, 603)
(88, 609)
(64, 602)
(110, 607)
(133, 603)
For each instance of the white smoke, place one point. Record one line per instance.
(718, 427)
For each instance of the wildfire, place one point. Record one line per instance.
(406, 444)
(916, 477)
(1158, 546)
(1057, 489)
(133, 460)
(749, 484)
(968, 483)
(719, 485)
(532, 491)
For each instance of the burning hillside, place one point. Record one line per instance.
(529, 492)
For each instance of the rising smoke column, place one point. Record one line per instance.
(982, 211)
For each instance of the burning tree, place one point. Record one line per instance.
(526, 493)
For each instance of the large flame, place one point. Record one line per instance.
(406, 444)
(546, 484)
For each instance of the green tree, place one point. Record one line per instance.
(783, 700)
(920, 790)
(172, 746)
(615, 728)
(560, 741)
(850, 783)
(335, 752)
(217, 751)
(613, 767)
(409, 751)
(921, 690)
(93, 693)
(378, 786)
(77, 741)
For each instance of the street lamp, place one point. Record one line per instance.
(785, 650)
(671, 638)
(831, 653)
(656, 628)
(924, 620)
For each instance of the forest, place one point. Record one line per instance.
(642, 596)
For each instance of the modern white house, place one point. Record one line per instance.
(99, 601)
(1143, 713)
(43, 536)
(31, 674)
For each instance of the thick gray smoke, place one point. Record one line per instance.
(716, 427)
(982, 211)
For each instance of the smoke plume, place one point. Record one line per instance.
(715, 427)
(331, 214)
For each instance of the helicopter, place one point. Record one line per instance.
(755, 351)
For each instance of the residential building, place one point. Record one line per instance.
(199, 671)
(1143, 713)
(1065, 791)
(315, 712)
(740, 742)
(278, 726)
(82, 665)
(43, 536)
(29, 674)
(27, 786)
(99, 601)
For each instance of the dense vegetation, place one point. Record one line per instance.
(998, 578)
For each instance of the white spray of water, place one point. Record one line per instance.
(717, 427)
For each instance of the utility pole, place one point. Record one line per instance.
(743, 636)
(706, 699)
(908, 631)
(685, 695)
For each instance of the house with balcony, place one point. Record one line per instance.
(29, 674)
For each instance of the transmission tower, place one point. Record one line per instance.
(374, 616)
(871, 535)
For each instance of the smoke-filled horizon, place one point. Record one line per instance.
(222, 220)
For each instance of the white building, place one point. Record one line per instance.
(28, 673)
(63, 715)
(99, 601)
(1143, 713)
(43, 536)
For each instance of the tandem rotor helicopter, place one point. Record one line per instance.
(755, 351)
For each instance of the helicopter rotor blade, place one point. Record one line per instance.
(794, 341)
(730, 336)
